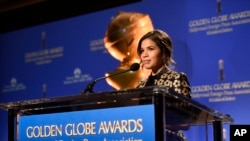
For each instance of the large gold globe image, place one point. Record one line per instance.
(121, 40)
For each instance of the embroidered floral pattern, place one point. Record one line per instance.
(174, 80)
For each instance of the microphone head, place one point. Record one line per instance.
(134, 67)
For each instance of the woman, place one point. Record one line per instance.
(155, 51)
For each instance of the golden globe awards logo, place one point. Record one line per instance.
(44, 56)
(114, 124)
(13, 86)
(85, 128)
(77, 77)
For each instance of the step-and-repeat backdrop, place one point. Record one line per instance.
(211, 45)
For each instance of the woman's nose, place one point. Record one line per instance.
(144, 54)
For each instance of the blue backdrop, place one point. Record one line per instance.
(62, 57)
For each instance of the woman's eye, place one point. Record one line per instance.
(150, 48)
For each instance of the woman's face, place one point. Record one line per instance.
(151, 55)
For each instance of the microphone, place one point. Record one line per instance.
(90, 86)
(44, 86)
(221, 69)
(219, 9)
(43, 40)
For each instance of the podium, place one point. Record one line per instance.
(141, 111)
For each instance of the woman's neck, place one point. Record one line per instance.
(155, 72)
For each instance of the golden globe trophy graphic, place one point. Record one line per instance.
(121, 41)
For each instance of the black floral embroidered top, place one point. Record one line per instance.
(172, 79)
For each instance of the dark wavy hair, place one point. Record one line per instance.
(162, 40)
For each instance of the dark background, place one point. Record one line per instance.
(16, 14)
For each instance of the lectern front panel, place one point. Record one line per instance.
(131, 123)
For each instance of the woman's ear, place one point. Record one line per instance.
(166, 59)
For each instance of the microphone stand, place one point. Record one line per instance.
(91, 85)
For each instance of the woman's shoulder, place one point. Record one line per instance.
(142, 83)
(174, 74)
